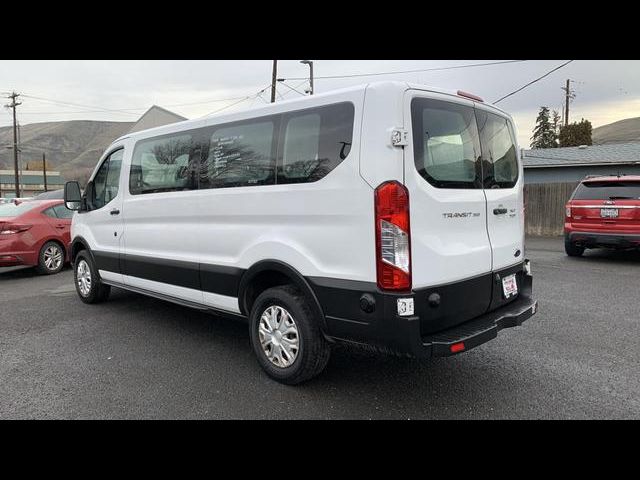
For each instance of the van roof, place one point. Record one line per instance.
(399, 85)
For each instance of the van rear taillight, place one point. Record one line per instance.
(393, 237)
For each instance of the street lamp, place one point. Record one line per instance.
(310, 63)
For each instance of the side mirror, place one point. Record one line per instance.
(72, 195)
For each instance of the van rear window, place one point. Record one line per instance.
(610, 190)
(446, 143)
(457, 146)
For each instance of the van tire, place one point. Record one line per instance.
(314, 350)
(572, 249)
(98, 292)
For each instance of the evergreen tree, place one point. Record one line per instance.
(556, 121)
(543, 134)
(576, 134)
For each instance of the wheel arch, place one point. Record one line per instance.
(269, 273)
(78, 244)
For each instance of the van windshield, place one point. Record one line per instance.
(607, 191)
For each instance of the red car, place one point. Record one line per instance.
(35, 233)
(603, 212)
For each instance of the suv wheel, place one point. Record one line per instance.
(572, 249)
(88, 284)
(51, 259)
(286, 336)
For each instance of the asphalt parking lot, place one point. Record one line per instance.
(137, 357)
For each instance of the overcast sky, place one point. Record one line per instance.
(606, 91)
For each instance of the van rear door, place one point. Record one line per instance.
(502, 182)
(451, 252)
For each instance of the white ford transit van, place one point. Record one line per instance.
(388, 214)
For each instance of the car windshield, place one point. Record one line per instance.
(8, 210)
(609, 190)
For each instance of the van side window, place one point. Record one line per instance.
(99, 186)
(240, 155)
(113, 176)
(499, 156)
(314, 142)
(164, 164)
(446, 144)
(106, 181)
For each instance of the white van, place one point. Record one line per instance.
(387, 214)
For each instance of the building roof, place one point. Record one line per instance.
(31, 177)
(155, 117)
(610, 154)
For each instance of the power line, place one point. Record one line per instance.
(292, 88)
(533, 81)
(243, 99)
(42, 99)
(128, 111)
(434, 69)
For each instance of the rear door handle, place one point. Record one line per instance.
(499, 211)
(61, 226)
(115, 211)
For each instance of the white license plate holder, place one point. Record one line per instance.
(510, 286)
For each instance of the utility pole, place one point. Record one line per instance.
(568, 95)
(274, 76)
(44, 171)
(13, 105)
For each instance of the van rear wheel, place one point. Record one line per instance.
(286, 336)
(88, 284)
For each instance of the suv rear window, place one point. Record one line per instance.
(610, 190)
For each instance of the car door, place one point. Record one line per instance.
(102, 222)
(502, 181)
(449, 240)
(59, 218)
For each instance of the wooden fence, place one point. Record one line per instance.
(544, 207)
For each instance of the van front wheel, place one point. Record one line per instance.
(88, 285)
(286, 336)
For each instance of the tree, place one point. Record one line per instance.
(576, 134)
(543, 134)
(556, 121)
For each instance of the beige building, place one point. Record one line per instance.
(156, 117)
(31, 182)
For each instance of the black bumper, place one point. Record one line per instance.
(611, 240)
(388, 331)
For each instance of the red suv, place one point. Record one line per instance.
(603, 212)
(35, 233)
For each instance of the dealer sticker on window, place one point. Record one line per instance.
(510, 286)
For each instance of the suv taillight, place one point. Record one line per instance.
(393, 237)
(567, 211)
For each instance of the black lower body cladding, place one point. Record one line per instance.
(452, 310)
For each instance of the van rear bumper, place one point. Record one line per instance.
(390, 332)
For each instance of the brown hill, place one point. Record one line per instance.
(627, 130)
(72, 147)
